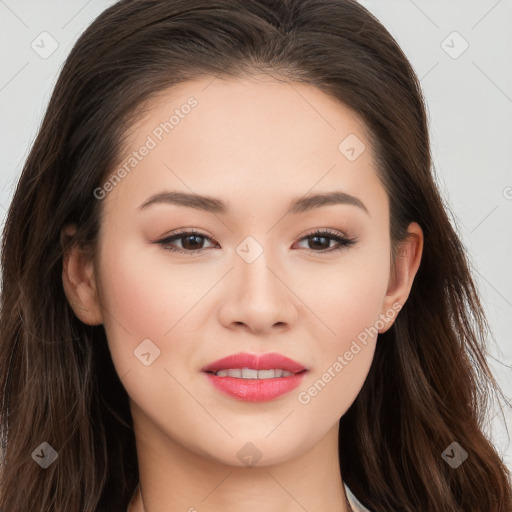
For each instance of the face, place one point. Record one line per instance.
(310, 282)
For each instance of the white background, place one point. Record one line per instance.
(469, 105)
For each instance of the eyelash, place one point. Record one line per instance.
(342, 241)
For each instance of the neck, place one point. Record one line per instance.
(175, 479)
(137, 503)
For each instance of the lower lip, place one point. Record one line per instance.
(255, 390)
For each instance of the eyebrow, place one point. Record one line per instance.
(214, 205)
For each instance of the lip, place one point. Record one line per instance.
(255, 390)
(267, 361)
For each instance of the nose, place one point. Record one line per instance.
(257, 297)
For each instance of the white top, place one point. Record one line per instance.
(354, 502)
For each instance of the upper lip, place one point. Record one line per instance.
(268, 361)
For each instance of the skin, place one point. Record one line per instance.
(256, 144)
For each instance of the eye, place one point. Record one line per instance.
(323, 238)
(192, 241)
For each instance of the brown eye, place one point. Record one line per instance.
(191, 242)
(320, 241)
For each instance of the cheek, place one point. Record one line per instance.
(142, 298)
(349, 301)
(348, 296)
(150, 294)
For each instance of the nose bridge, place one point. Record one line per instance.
(260, 297)
(253, 264)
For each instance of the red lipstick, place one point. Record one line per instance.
(255, 377)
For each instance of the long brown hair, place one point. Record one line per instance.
(429, 383)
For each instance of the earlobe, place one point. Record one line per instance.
(403, 271)
(78, 279)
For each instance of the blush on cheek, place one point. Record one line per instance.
(349, 306)
(146, 299)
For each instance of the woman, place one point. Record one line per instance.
(229, 280)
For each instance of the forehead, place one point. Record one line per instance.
(248, 137)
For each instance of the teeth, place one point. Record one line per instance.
(250, 373)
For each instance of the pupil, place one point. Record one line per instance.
(325, 239)
(194, 245)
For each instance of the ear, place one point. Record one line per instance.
(403, 271)
(79, 281)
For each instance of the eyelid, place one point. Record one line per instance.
(330, 231)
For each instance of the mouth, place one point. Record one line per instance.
(252, 373)
(255, 378)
